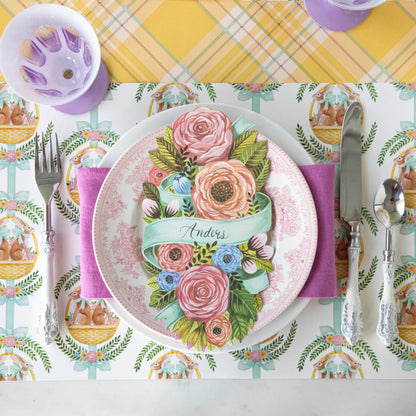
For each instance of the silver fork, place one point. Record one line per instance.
(48, 177)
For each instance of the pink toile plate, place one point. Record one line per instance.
(121, 240)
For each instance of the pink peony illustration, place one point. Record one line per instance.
(91, 356)
(206, 133)
(218, 330)
(9, 341)
(335, 156)
(10, 155)
(222, 189)
(255, 87)
(94, 135)
(203, 292)
(255, 356)
(9, 291)
(156, 175)
(11, 205)
(338, 340)
(175, 257)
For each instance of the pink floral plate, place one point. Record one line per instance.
(205, 231)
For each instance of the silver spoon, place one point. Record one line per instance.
(389, 208)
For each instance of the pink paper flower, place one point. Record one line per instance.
(175, 257)
(255, 356)
(9, 291)
(11, 205)
(9, 341)
(222, 189)
(10, 155)
(94, 135)
(206, 134)
(91, 356)
(150, 208)
(414, 220)
(218, 330)
(156, 175)
(258, 243)
(203, 292)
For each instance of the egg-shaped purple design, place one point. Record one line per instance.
(50, 92)
(31, 76)
(48, 37)
(31, 52)
(72, 39)
(87, 55)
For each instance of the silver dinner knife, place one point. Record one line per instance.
(350, 195)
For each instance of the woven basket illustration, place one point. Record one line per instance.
(10, 134)
(328, 134)
(409, 195)
(12, 270)
(74, 194)
(342, 266)
(410, 199)
(408, 333)
(92, 334)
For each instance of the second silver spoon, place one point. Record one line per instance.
(389, 208)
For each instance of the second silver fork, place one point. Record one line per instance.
(48, 177)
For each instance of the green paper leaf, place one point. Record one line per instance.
(258, 302)
(241, 143)
(169, 152)
(150, 268)
(150, 190)
(159, 298)
(161, 162)
(261, 173)
(254, 154)
(152, 283)
(261, 263)
(241, 303)
(167, 134)
(240, 325)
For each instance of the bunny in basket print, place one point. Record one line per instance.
(331, 103)
(203, 200)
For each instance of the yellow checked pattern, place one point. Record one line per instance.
(243, 41)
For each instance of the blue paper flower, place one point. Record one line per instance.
(181, 184)
(167, 280)
(227, 258)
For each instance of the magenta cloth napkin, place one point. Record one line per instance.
(89, 183)
(322, 279)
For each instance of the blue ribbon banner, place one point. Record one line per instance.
(188, 230)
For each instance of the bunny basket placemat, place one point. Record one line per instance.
(94, 342)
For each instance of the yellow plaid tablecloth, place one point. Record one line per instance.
(243, 41)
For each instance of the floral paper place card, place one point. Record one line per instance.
(222, 230)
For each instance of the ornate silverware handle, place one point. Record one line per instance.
(48, 311)
(352, 316)
(387, 325)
